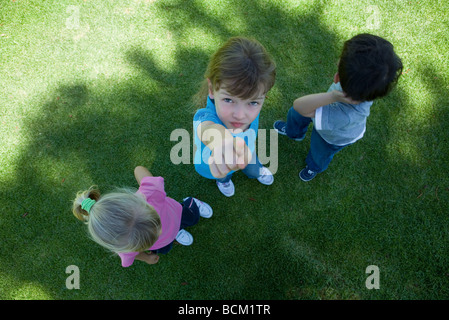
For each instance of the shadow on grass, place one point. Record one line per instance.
(97, 133)
(417, 154)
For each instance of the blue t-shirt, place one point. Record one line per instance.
(341, 123)
(202, 153)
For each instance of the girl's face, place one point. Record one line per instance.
(234, 112)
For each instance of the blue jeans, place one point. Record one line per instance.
(252, 170)
(321, 153)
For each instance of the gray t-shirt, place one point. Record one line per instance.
(341, 123)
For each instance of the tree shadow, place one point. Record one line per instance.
(417, 149)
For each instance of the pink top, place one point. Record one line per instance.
(168, 209)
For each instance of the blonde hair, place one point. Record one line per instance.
(121, 221)
(242, 66)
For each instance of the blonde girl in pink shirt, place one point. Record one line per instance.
(139, 225)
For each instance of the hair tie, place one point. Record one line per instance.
(87, 204)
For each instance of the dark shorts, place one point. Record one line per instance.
(189, 217)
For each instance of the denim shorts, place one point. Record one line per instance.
(189, 217)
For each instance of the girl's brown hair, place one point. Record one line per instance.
(242, 66)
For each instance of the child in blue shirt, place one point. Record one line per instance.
(368, 69)
(237, 79)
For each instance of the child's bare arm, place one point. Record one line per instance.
(150, 258)
(232, 155)
(228, 152)
(307, 105)
(141, 172)
(212, 134)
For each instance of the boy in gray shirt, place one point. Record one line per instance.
(368, 69)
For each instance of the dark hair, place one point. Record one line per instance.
(242, 66)
(368, 67)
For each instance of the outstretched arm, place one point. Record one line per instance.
(229, 153)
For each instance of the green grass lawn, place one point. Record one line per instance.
(91, 89)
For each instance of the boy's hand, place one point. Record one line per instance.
(340, 96)
(232, 155)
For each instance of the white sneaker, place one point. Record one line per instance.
(226, 188)
(184, 237)
(204, 208)
(266, 177)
